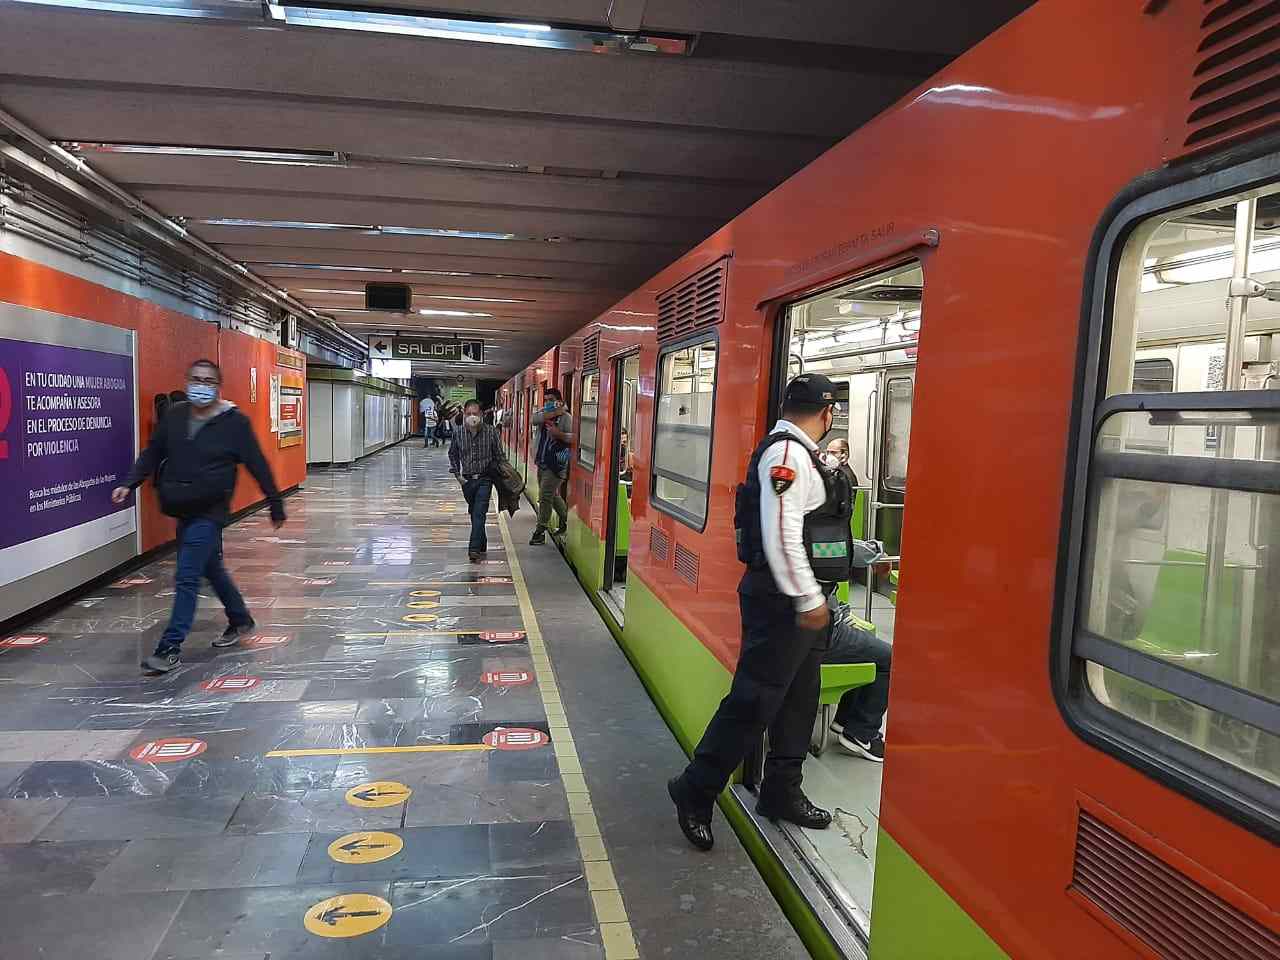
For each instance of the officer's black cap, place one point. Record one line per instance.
(811, 388)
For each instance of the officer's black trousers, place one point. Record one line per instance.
(776, 688)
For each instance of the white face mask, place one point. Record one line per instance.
(472, 421)
(831, 460)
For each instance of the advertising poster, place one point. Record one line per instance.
(66, 440)
(289, 385)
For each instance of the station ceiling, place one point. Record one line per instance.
(522, 163)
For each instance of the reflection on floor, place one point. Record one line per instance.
(849, 787)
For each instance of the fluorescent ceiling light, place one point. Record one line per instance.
(441, 296)
(280, 265)
(453, 313)
(203, 9)
(345, 293)
(321, 266)
(370, 229)
(481, 31)
(300, 158)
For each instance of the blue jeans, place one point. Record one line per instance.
(199, 555)
(477, 492)
(861, 711)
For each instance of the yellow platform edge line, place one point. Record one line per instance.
(356, 751)
(611, 911)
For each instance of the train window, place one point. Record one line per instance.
(1172, 622)
(682, 436)
(588, 418)
(899, 392)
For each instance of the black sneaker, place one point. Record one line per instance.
(161, 663)
(231, 636)
(473, 557)
(538, 539)
(872, 749)
(797, 809)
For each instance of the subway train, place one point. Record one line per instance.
(1051, 275)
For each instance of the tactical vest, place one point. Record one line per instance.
(828, 539)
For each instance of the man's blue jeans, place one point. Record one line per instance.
(477, 492)
(199, 555)
(861, 711)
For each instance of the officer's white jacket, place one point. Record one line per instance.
(790, 487)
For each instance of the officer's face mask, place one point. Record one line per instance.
(828, 422)
(202, 394)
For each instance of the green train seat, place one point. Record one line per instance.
(622, 534)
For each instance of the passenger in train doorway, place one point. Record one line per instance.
(196, 450)
(792, 521)
(860, 713)
(555, 434)
(430, 420)
(474, 456)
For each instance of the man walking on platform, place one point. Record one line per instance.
(474, 455)
(792, 522)
(430, 420)
(555, 434)
(197, 449)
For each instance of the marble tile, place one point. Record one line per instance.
(203, 863)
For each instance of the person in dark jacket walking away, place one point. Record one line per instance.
(555, 434)
(197, 448)
(474, 454)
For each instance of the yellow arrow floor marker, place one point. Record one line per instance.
(422, 604)
(362, 751)
(370, 847)
(350, 915)
(419, 618)
(379, 793)
(424, 593)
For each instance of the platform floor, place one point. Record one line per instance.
(415, 757)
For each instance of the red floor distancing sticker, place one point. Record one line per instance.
(318, 582)
(259, 640)
(516, 738)
(131, 582)
(231, 684)
(168, 750)
(492, 580)
(507, 678)
(502, 636)
(24, 640)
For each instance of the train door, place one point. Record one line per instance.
(528, 436)
(618, 533)
(863, 335)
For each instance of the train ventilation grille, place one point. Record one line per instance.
(686, 565)
(1236, 80)
(1172, 914)
(591, 352)
(659, 545)
(694, 303)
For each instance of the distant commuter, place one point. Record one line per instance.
(474, 456)
(197, 449)
(626, 457)
(792, 522)
(837, 458)
(430, 420)
(551, 456)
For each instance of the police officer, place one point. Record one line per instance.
(793, 532)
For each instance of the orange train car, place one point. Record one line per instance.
(1050, 280)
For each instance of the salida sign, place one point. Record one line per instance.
(439, 349)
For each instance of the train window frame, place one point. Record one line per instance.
(1225, 787)
(686, 517)
(579, 434)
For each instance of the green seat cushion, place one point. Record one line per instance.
(839, 678)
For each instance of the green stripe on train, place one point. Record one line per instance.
(914, 918)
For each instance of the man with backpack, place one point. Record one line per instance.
(196, 450)
(555, 434)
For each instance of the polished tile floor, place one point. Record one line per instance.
(369, 776)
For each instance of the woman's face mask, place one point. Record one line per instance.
(201, 394)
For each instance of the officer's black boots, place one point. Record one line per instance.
(695, 824)
(795, 808)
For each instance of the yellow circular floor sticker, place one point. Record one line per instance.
(419, 618)
(422, 604)
(424, 593)
(350, 915)
(380, 793)
(365, 847)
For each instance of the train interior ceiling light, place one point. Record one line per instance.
(475, 30)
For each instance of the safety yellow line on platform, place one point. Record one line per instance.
(354, 751)
(611, 913)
